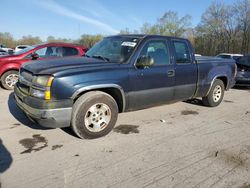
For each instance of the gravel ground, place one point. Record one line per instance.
(179, 145)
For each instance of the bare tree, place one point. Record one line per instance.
(242, 10)
(169, 24)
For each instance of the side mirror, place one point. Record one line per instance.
(34, 56)
(144, 62)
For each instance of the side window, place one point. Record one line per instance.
(157, 50)
(182, 53)
(41, 52)
(68, 51)
(46, 52)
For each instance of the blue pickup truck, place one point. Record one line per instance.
(119, 74)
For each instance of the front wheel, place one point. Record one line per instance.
(94, 115)
(9, 79)
(215, 95)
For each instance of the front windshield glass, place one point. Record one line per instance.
(116, 49)
(224, 56)
(24, 50)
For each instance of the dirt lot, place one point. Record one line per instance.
(178, 145)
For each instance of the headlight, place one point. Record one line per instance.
(44, 92)
(43, 80)
(37, 93)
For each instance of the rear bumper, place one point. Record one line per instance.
(46, 117)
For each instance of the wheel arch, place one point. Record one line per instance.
(113, 90)
(223, 78)
(7, 69)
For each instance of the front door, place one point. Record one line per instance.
(152, 85)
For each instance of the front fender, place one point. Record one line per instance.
(8, 67)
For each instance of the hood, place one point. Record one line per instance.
(9, 57)
(64, 65)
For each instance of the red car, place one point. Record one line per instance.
(10, 64)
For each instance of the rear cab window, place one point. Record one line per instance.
(182, 52)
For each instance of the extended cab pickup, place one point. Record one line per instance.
(120, 73)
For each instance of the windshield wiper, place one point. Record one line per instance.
(101, 57)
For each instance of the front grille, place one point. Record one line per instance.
(24, 88)
(25, 81)
(26, 75)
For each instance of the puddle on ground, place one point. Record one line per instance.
(228, 101)
(126, 129)
(36, 143)
(56, 147)
(189, 112)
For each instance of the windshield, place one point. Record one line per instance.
(116, 49)
(24, 50)
(224, 56)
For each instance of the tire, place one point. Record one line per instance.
(215, 95)
(94, 115)
(9, 79)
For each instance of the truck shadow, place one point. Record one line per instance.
(246, 88)
(20, 116)
(197, 102)
(5, 158)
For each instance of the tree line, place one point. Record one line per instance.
(222, 28)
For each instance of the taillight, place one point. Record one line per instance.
(235, 70)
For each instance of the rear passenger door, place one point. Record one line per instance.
(186, 73)
(70, 51)
(152, 85)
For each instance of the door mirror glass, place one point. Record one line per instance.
(144, 62)
(34, 56)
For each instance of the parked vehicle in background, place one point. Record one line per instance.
(8, 50)
(9, 65)
(118, 74)
(243, 71)
(197, 55)
(3, 52)
(20, 47)
(229, 56)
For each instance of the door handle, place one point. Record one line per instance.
(171, 73)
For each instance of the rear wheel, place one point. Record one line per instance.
(9, 79)
(94, 115)
(215, 95)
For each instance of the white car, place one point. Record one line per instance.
(229, 56)
(3, 52)
(197, 55)
(3, 47)
(20, 47)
